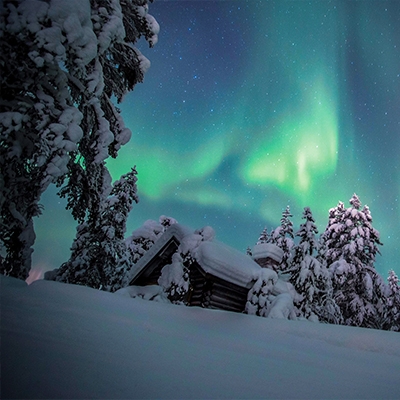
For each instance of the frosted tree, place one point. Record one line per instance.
(100, 257)
(61, 65)
(143, 238)
(392, 321)
(174, 278)
(350, 246)
(263, 237)
(327, 252)
(117, 207)
(259, 298)
(309, 277)
(282, 236)
(308, 244)
(333, 227)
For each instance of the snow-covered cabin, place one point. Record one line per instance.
(220, 276)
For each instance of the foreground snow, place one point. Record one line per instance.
(66, 341)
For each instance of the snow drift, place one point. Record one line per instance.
(67, 341)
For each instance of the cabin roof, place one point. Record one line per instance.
(175, 231)
(227, 263)
(263, 250)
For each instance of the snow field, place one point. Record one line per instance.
(67, 341)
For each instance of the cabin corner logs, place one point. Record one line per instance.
(214, 282)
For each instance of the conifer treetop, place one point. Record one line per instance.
(263, 236)
(355, 202)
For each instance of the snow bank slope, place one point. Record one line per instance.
(65, 341)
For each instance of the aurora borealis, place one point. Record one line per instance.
(250, 106)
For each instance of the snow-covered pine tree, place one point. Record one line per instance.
(61, 63)
(282, 236)
(309, 277)
(332, 230)
(263, 236)
(392, 321)
(350, 246)
(117, 262)
(141, 239)
(307, 233)
(259, 296)
(100, 257)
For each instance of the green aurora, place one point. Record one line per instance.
(252, 105)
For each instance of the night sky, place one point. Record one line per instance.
(250, 106)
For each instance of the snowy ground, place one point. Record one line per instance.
(66, 341)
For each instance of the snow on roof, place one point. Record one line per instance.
(264, 250)
(176, 230)
(227, 263)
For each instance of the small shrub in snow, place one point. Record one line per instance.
(174, 279)
(259, 298)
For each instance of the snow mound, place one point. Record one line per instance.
(150, 292)
(263, 250)
(227, 263)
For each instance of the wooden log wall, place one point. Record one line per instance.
(209, 291)
(197, 281)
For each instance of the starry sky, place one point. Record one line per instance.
(253, 105)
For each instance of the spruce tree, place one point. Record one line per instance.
(100, 257)
(308, 231)
(350, 246)
(143, 238)
(282, 236)
(263, 237)
(392, 321)
(309, 277)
